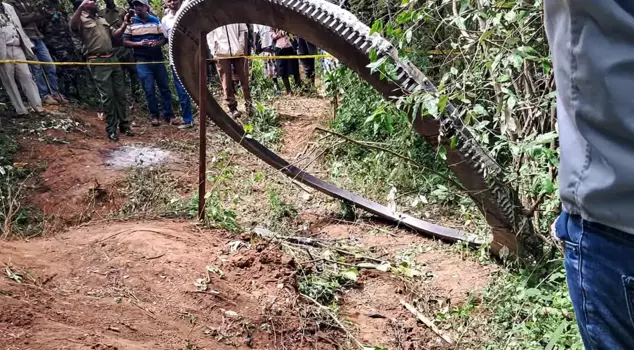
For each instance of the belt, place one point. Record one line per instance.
(92, 57)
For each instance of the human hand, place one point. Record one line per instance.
(146, 42)
(87, 4)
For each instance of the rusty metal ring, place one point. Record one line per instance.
(318, 23)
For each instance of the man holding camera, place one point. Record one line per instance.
(115, 15)
(30, 17)
(96, 36)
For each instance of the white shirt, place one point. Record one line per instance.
(228, 40)
(167, 22)
(266, 34)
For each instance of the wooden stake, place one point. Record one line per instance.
(202, 105)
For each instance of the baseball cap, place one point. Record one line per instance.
(143, 2)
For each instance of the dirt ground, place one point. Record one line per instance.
(96, 283)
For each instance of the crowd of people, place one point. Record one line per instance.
(129, 41)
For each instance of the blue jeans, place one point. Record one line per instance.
(183, 98)
(599, 263)
(148, 74)
(42, 54)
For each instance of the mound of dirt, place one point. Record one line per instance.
(148, 285)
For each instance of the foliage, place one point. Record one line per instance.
(147, 191)
(16, 218)
(264, 125)
(216, 215)
(532, 310)
(280, 209)
(526, 310)
(492, 63)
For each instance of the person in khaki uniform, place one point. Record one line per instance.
(115, 15)
(96, 36)
(16, 45)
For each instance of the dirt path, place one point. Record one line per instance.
(131, 285)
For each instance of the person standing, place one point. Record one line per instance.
(46, 77)
(593, 55)
(167, 22)
(264, 44)
(287, 66)
(146, 37)
(96, 37)
(230, 41)
(14, 42)
(115, 15)
(306, 48)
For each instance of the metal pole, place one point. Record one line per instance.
(202, 109)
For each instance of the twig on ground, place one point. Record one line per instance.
(269, 235)
(146, 311)
(49, 279)
(214, 293)
(426, 321)
(155, 257)
(334, 318)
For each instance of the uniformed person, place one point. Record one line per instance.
(97, 36)
(115, 15)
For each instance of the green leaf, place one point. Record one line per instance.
(442, 103)
(546, 67)
(554, 338)
(351, 274)
(408, 36)
(377, 27)
(374, 66)
(454, 142)
(479, 110)
(442, 152)
(503, 78)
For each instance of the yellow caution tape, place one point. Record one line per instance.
(89, 63)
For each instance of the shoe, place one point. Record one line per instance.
(235, 114)
(174, 121)
(49, 100)
(113, 137)
(156, 121)
(186, 126)
(128, 132)
(60, 98)
(39, 111)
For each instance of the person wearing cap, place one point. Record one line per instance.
(96, 37)
(115, 16)
(227, 44)
(167, 22)
(16, 45)
(145, 35)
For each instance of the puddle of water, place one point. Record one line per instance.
(136, 157)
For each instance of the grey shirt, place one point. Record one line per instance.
(592, 44)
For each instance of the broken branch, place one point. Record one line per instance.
(426, 321)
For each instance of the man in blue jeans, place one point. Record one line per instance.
(592, 44)
(167, 22)
(46, 83)
(146, 37)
